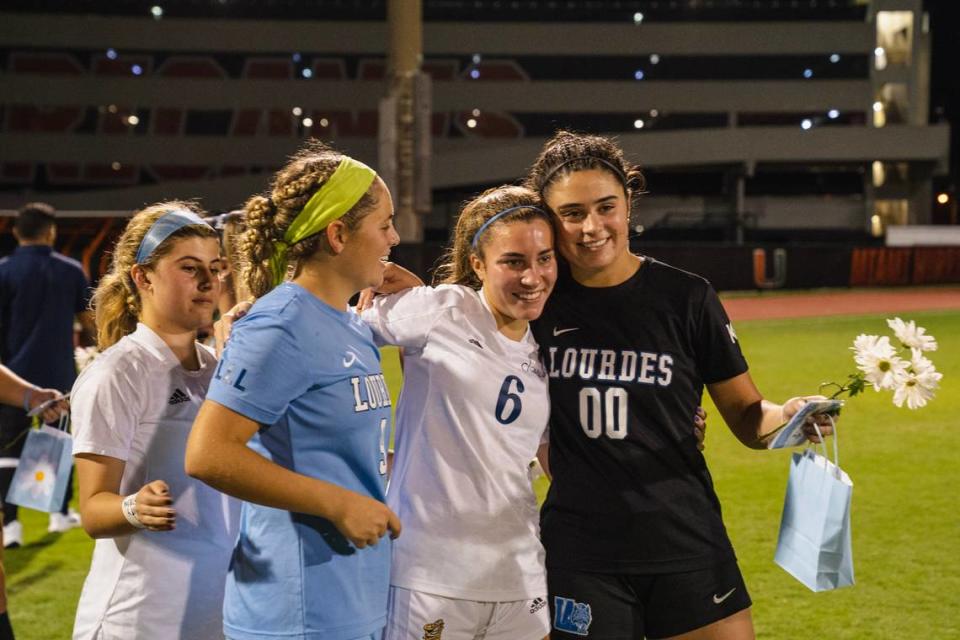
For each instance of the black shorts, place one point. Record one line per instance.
(633, 607)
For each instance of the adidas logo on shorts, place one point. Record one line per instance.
(536, 604)
(178, 397)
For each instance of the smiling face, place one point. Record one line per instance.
(593, 230)
(518, 271)
(368, 245)
(179, 292)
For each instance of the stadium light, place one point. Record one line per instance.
(475, 73)
(324, 122)
(115, 165)
(654, 58)
(307, 73)
(943, 198)
(297, 111)
(638, 74)
(834, 58)
(308, 122)
(296, 57)
(136, 70)
(880, 58)
(806, 124)
(638, 123)
(833, 114)
(637, 18)
(471, 123)
(133, 121)
(477, 58)
(475, 113)
(879, 173)
(808, 73)
(156, 11)
(654, 113)
(112, 54)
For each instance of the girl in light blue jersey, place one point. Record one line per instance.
(297, 415)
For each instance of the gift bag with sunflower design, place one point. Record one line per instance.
(40, 481)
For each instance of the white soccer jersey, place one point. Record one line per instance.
(471, 414)
(136, 403)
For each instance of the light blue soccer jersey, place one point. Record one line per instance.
(312, 376)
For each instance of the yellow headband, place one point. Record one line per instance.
(338, 195)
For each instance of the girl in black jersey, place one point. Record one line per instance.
(636, 546)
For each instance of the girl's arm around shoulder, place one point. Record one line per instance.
(406, 318)
(395, 280)
(217, 454)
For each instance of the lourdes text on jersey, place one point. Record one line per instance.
(607, 365)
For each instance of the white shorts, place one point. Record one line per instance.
(414, 615)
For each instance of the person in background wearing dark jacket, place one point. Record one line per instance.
(13, 389)
(41, 293)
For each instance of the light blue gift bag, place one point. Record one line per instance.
(814, 544)
(40, 481)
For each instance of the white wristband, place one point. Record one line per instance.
(129, 508)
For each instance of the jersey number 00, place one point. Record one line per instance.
(604, 414)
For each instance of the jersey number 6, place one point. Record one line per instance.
(508, 403)
(605, 413)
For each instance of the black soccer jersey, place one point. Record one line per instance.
(627, 365)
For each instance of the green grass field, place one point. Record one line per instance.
(906, 524)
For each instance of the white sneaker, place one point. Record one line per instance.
(60, 522)
(12, 535)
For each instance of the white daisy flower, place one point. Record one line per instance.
(864, 344)
(912, 336)
(916, 386)
(913, 379)
(912, 391)
(878, 361)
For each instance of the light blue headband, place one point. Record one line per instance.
(164, 226)
(497, 216)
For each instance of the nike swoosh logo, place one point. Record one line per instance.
(558, 332)
(719, 599)
(349, 359)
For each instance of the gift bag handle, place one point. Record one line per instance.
(836, 446)
(64, 422)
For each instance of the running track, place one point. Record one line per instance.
(835, 303)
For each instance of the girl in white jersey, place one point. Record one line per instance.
(474, 408)
(163, 539)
